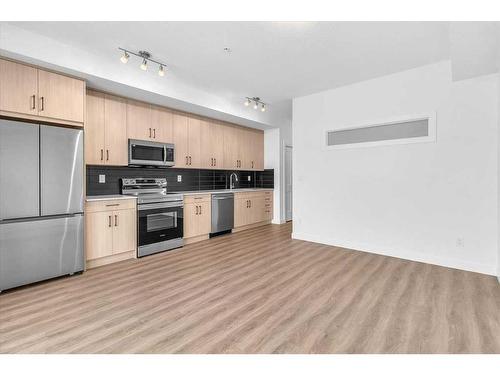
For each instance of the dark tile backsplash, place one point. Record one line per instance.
(192, 179)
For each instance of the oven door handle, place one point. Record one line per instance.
(151, 206)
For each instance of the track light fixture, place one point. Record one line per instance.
(146, 57)
(256, 103)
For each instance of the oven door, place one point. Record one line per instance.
(150, 153)
(159, 222)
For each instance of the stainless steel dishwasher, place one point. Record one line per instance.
(222, 213)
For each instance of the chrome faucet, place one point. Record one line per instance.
(231, 182)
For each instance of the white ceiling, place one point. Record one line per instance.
(274, 60)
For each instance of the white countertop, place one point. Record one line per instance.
(195, 192)
(91, 198)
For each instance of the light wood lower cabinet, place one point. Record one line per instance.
(252, 207)
(110, 231)
(197, 215)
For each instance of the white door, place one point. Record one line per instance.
(288, 183)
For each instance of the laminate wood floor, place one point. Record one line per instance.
(256, 291)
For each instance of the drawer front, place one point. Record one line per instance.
(110, 205)
(248, 195)
(197, 198)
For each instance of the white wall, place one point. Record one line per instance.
(411, 201)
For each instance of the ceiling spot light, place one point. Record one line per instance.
(144, 65)
(256, 103)
(161, 71)
(124, 58)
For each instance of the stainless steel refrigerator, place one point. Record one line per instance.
(41, 202)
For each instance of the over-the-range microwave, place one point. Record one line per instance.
(147, 153)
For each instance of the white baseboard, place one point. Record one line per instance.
(409, 255)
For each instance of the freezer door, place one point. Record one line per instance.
(61, 170)
(36, 250)
(19, 180)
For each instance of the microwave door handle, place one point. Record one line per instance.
(164, 154)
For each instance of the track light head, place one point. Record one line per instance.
(256, 105)
(263, 108)
(124, 58)
(144, 65)
(161, 71)
(247, 102)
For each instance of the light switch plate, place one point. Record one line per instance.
(102, 178)
(179, 178)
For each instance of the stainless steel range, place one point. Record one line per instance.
(159, 216)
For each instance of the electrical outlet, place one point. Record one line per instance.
(102, 178)
(179, 178)
(460, 242)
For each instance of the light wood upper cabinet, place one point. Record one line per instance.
(232, 149)
(60, 97)
(197, 216)
(105, 130)
(139, 121)
(161, 123)
(187, 141)
(94, 129)
(194, 142)
(199, 143)
(254, 150)
(181, 136)
(18, 88)
(115, 118)
(212, 145)
(31, 93)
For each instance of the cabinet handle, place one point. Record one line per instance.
(252, 164)
(196, 210)
(250, 203)
(102, 154)
(187, 160)
(42, 103)
(154, 133)
(113, 205)
(109, 221)
(116, 220)
(200, 209)
(33, 101)
(190, 160)
(211, 162)
(215, 162)
(107, 155)
(149, 132)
